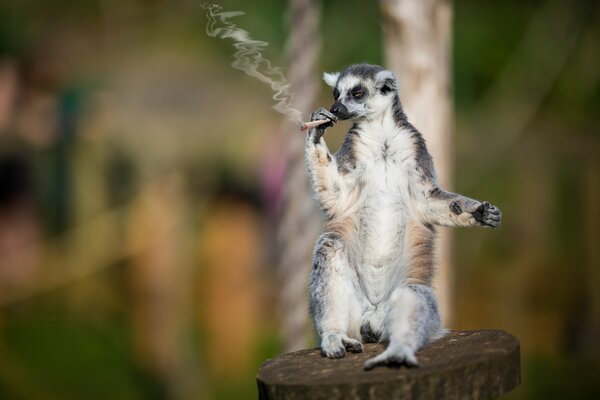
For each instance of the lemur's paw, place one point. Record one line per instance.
(316, 133)
(394, 355)
(334, 345)
(323, 113)
(487, 215)
(352, 345)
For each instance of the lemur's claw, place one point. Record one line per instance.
(337, 353)
(488, 215)
(353, 345)
(335, 345)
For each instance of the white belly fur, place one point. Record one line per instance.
(383, 217)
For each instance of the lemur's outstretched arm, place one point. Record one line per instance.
(439, 207)
(322, 165)
(450, 209)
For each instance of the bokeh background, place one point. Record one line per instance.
(140, 176)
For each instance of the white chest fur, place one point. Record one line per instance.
(385, 156)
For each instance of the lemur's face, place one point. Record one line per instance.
(361, 91)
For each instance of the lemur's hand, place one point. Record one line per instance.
(323, 113)
(319, 131)
(487, 215)
(482, 213)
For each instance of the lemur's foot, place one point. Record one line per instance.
(335, 344)
(487, 215)
(396, 354)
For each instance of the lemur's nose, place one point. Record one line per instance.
(339, 110)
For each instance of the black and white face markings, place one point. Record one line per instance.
(357, 91)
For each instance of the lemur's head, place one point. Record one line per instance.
(361, 90)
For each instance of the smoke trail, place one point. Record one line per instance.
(249, 58)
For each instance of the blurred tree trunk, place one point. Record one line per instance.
(417, 37)
(299, 221)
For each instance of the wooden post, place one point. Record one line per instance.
(417, 37)
(462, 365)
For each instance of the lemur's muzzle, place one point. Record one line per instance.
(340, 110)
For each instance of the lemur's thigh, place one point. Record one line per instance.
(333, 299)
(412, 320)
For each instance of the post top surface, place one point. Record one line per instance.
(473, 351)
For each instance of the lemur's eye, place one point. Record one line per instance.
(336, 94)
(357, 94)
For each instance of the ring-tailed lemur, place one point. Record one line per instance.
(373, 266)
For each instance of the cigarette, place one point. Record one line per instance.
(313, 124)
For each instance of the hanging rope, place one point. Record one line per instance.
(299, 222)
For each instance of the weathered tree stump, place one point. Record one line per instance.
(462, 365)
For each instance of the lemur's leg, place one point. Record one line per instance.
(412, 320)
(322, 166)
(450, 209)
(333, 302)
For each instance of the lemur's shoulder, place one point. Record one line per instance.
(423, 157)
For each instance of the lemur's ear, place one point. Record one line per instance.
(386, 82)
(331, 78)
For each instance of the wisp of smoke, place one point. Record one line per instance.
(249, 58)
